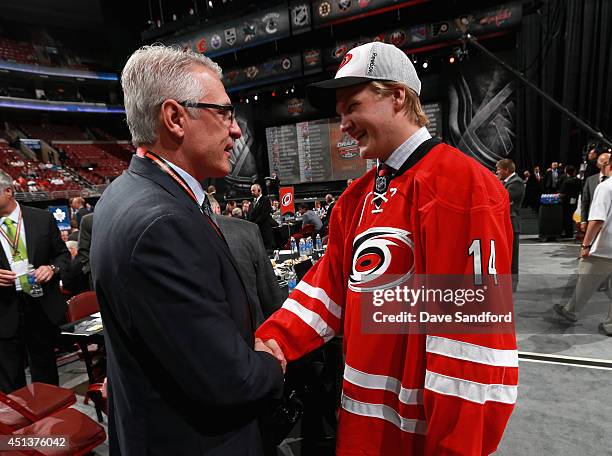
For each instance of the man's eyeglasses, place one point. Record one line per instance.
(227, 111)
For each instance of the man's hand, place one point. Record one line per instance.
(272, 347)
(43, 274)
(7, 278)
(585, 252)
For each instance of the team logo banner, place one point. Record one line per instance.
(286, 200)
(60, 214)
(256, 28)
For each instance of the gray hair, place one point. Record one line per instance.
(5, 181)
(72, 245)
(154, 74)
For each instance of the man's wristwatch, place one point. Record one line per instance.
(55, 269)
(585, 247)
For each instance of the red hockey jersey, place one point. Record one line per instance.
(410, 394)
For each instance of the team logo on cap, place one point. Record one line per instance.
(230, 35)
(382, 257)
(363, 3)
(344, 5)
(324, 9)
(299, 15)
(347, 58)
(201, 46)
(215, 42)
(286, 64)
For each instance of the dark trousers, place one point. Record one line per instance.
(515, 261)
(568, 219)
(35, 338)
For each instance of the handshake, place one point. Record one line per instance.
(271, 346)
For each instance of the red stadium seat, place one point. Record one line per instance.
(31, 403)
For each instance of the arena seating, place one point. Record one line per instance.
(98, 163)
(50, 132)
(34, 176)
(17, 51)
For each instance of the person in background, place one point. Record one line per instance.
(595, 266)
(516, 191)
(591, 163)
(260, 214)
(310, 217)
(28, 323)
(74, 280)
(588, 190)
(246, 209)
(569, 191)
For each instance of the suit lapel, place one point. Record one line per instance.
(149, 170)
(31, 230)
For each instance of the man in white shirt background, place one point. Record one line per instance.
(596, 253)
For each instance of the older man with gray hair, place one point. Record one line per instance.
(28, 320)
(185, 374)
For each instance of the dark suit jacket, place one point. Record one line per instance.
(45, 247)
(260, 215)
(248, 249)
(183, 377)
(549, 184)
(82, 212)
(85, 242)
(516, 190)
(587, 196)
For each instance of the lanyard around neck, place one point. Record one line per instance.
(15, 243)
(144, 153)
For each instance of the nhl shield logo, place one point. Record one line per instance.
(381, 184)
(299, 15)
(230, 35)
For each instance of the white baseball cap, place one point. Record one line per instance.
(374, 61)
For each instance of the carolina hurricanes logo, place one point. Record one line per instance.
(287, 199)
(347, 59)
(382, 257)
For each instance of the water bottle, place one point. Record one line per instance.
(276, 255)
(309, 246)
(36, 290)
(294, 249)
(302, 247)
(292, 280)
(319, 243)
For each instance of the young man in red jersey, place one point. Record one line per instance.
(427, 210)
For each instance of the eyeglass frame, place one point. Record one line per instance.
(223, 108)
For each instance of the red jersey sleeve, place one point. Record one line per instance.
(313, 312)
(471, 379)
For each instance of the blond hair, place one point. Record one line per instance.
(412, 105)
